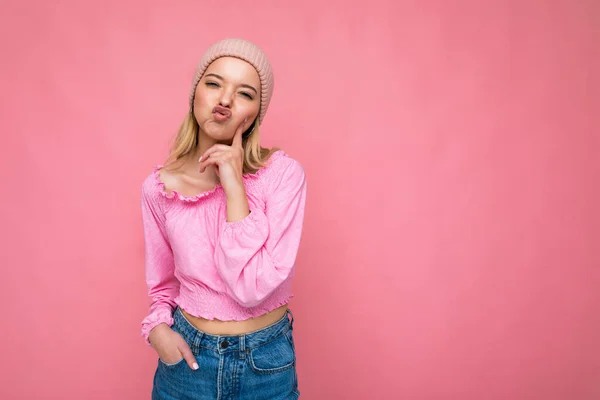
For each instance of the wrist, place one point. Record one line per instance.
(157, 329)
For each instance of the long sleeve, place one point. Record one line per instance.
(255, 255)
(162, 284)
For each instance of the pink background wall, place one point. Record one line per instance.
(451, 246)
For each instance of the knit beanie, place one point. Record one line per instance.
(246, 51)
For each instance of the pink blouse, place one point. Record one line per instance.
(216, 269)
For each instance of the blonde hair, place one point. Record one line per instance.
(186, 141)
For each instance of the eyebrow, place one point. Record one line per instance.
(242, 85)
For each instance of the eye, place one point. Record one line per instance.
(248, 95)
(214, 84)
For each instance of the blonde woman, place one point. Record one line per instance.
(222, 225)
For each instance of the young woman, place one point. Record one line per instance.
(222, 224)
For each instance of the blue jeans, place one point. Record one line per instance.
(259, 365)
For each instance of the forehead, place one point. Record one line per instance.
(234, 69)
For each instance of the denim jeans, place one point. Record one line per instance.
(260, 365)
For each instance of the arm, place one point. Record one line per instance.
(162, 285)
(255, 254)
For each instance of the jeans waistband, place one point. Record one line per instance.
(226, 343)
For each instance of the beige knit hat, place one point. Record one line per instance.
(244, 50)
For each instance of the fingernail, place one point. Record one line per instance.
(195, 366)
(200, 159)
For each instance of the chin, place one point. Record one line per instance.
(216, 131)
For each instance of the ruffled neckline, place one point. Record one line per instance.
(174, 194)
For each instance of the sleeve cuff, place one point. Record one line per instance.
(154, 320)
(248, 223)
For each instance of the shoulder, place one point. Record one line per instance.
(282, 170)
(280, 163)
(151, 185)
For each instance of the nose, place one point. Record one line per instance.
(226, 98)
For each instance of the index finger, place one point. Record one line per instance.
(237, 138)
(187, 354)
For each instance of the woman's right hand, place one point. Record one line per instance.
(170, 346)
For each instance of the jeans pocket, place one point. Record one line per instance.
(276, 356)
(177, 363)
(169, 365)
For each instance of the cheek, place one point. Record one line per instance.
(203, 97)
(251, 110)
(199, 98)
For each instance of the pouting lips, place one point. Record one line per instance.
(221, 113)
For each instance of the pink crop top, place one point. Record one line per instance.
(216, 269)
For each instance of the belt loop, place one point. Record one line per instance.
(291, 315)
(242, 347)
(196, 342)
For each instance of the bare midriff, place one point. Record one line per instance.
(217, 327)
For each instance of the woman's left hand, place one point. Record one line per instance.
(229, 161)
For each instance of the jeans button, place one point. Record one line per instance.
(224, 344)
